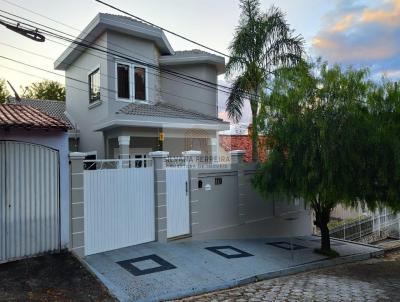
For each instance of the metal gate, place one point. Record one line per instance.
(29, 200)
(119, 207)
(178, 218)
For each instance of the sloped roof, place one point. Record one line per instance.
(164, 110)
(23, 116)
(103, 22)
(55, 109)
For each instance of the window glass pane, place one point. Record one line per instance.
(94, 86)
(123, 81)
(140, 83)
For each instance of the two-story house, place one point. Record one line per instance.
(126, 85)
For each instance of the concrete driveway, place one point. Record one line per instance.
(162, 271)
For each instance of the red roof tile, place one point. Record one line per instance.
(23, 116)
(243, 142)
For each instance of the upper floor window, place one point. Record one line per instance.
(123, 81)
(94, 86)
(140, 83)
(134, 89)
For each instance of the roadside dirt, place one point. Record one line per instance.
(57, 277)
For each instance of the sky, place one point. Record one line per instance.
(364, 33)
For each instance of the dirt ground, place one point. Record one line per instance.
(57, 277)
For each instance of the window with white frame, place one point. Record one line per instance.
(131, 82)
(123, 81)
(94, 86)
(140, 83)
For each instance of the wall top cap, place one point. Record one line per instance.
(191, 152)
(237, 152)
(124, 140)
(77, 155)
(157, 154)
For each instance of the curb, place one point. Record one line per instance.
(323, 263)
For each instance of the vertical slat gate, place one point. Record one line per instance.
(2, 201)
(119, 208)
(178, 218)
(32, 200)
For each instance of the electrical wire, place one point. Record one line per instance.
(163, 28)
(107, 76)
(186, 77)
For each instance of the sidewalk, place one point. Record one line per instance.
(370, 280)
(160, 271)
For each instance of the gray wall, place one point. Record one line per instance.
(234, 209)
(77, 97)
(198, 98)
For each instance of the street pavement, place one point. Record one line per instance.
(371, 280)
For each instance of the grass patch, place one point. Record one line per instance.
(331, 253)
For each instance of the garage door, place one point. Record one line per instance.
(29, 200)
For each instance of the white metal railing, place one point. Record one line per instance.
(104, 164)
(374, 224)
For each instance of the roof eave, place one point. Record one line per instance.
(161, 123)
(219, 62)
(102, 23)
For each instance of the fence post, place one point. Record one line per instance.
(124, 142)
(237, 159)
(160, 193)
(191, 158)
(77, 228)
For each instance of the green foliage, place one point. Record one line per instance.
(262, 44)
(332, 139)
(4, 93)
(45, 90)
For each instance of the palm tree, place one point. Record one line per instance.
(262, 44)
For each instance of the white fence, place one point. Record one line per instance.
(119, 205)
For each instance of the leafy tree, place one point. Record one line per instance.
(45, 90)
(330, 135)
(262, 43)
(4, 93)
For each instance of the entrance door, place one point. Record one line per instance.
(29, 200)
(178, 219)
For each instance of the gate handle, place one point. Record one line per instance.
(186, 187)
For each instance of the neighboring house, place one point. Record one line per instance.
(147, 106)
(34, 182)
(56, 109)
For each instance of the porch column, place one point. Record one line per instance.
(160, 194)
(124, 142)
(237, 160)
(77, 235)
(191, 158)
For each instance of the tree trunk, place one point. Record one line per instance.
(325, 237)
(322, 217)
(254, 134)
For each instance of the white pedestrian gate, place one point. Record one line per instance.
(178, 221)
(119, 208)
(29, 200)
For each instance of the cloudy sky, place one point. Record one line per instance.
(359, 33)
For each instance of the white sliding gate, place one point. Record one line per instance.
(178, 221)
(119, 208)
(29, 200)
